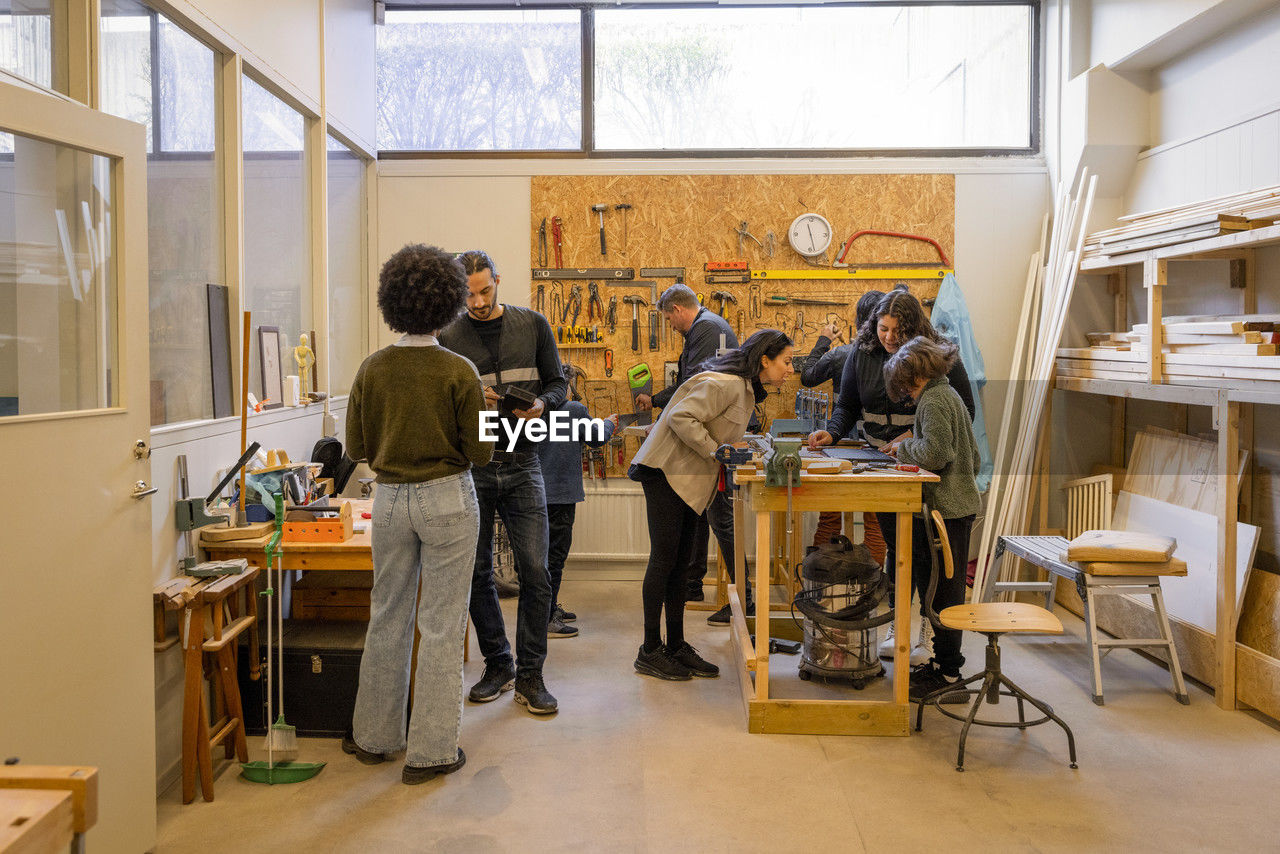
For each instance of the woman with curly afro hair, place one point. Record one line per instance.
(414, 414)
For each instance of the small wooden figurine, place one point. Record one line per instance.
(305, 357)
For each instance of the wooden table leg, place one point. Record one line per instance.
(192, 627)
(902, 610)
(763, 602)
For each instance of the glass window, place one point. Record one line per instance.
(59, 349)
(347, 252)
(480, 80)
(26, 40)
(795, 78)
(155, 73)
(277, 227)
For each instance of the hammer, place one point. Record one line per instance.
(635, 302)
(723, 297)
(600, 209)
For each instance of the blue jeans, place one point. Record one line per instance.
(513, 489)
(560, 524)
(421, 531)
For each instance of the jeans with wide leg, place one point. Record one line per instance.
(513, 489)
(422, 532)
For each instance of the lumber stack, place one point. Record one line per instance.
(1186, 223)
(1051, 280)
(1226, 351)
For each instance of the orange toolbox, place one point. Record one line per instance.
(324, 529)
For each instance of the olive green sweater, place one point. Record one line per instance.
(414, 414)
(942, 442)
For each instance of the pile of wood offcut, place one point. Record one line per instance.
(1231, 351)
(1184, 224)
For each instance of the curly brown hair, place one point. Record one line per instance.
(919, 359)
(421, 289)
(902, 307)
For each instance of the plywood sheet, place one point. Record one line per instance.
(1176, 468)
(687, 220)
(1193, 598)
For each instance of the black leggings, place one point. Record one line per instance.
(672, 525)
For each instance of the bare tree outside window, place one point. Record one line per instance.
(480, 81)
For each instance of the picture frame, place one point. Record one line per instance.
(269, 366)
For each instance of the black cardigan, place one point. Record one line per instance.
(862, 391)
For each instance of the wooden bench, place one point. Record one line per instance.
(1047, 553)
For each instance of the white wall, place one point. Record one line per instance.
(1215, 120)
(284, 34)
(349, 43)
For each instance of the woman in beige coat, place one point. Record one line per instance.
(676, 465)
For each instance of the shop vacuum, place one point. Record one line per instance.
(842, 587)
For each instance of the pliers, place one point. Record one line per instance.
(575, 302)
(595, 308)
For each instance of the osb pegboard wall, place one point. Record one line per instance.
(687, 220)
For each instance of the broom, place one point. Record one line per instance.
(282, 739)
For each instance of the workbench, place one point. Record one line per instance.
(353, 554)
(882, 491)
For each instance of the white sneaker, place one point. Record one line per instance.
(923, 650)
(886, 645)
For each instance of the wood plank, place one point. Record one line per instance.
(1258, 680)
(1171, 338)
(80, 780)
(1231, 542)
(35, 821)
(828, 717)
(1121, 545)
(1176, 468)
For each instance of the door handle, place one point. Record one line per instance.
(141, 490)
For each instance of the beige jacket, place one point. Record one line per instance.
(709, 410)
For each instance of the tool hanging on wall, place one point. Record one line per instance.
(723, 297)
(769, 242)
(540, 300)
(556, 237)
(743, 235)
(595, 308)
(573, 302)
(583, 273)
(557, 301)
(600, 209)
(624, 207)
(741, 324)
(611, 316)
(653, 329)
(754, 299)
(542, 243)
(608, 363)
(779, 299)
(635, 302)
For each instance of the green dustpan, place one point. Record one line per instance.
(279, 772)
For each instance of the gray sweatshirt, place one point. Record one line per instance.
(942, 442)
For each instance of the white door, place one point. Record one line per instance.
(76, 670)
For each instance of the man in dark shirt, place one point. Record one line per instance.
(512, 348)
(703, 333)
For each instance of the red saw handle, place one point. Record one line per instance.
(845, 249)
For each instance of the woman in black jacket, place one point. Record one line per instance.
(865, 410)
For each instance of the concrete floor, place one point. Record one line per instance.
(635, 764)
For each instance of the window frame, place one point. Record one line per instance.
(588, 151)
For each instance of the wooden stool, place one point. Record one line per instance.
(210, 622)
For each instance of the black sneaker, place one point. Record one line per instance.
(559, 613)
(659, 663)
(494, 681)
(412, 775)
(927, 678)
(688, 656)
(694, 594)
(721, 617)
(532, 693)
(560, 629)
(366, 757)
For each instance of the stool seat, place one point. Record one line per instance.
(1000, 617)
